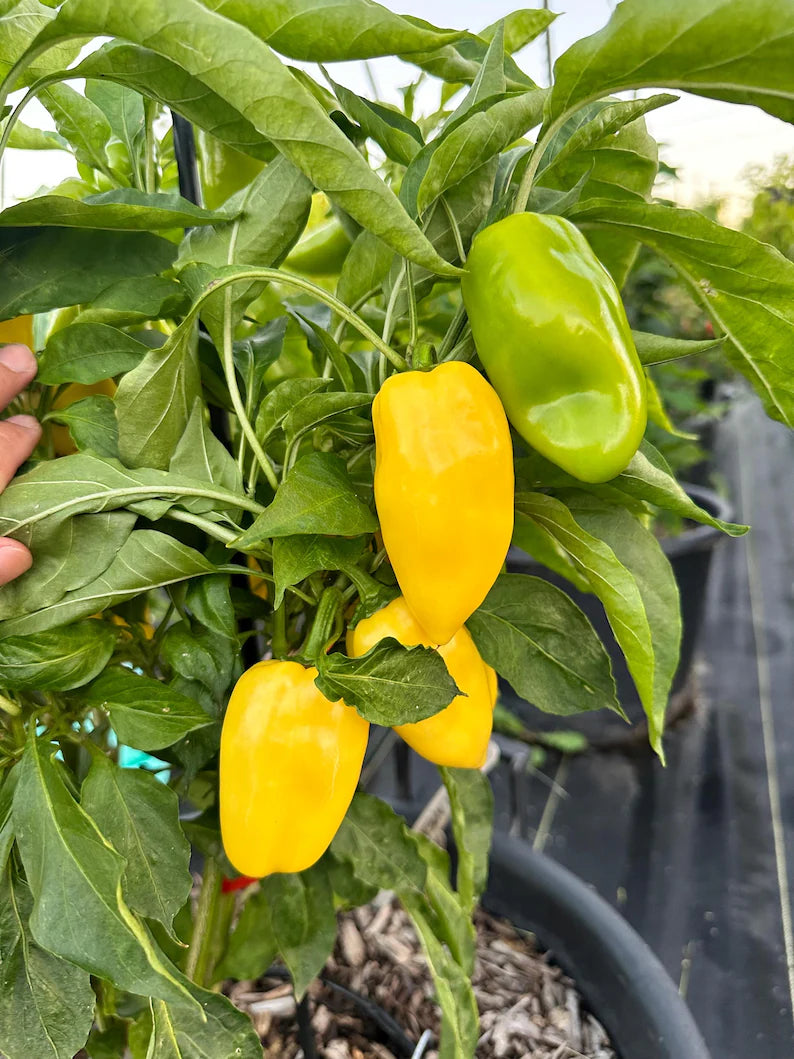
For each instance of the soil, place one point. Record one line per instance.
(528, 1008)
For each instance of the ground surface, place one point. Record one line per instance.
(528, 1009)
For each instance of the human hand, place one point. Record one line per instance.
(19, 436)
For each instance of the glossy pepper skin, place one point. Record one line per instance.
(290, 761)
(552, 334)
(443, 489)
(457, 736)
(19, 329)
(321, 252)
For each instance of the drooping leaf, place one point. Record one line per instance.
(747, 287)
(58, 660)
(398, 136)
(656, 349)
(536, 637)
(379, 847)
(155, 399)
(211, 1027)
(471, 801)
(46, 1004)
(80, 122)
(390, 684)
(302, 921)
(146, 714)
(201, 456)
(75, 875)
(147, 560)
(139, 816)
(252, 946)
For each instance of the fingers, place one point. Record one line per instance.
(17, 368)
(19, 436)
(15, 559)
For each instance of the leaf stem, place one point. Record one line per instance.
(525, 187)
(455, 230)
(388, 323)
(212, 529)
(234, 392)
(196, 964)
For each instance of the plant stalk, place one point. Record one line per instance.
(198, 956)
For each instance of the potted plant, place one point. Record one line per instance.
(332, 442)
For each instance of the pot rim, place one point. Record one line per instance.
(617, 974)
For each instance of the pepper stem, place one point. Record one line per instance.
(322, 627)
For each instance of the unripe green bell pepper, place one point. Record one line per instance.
(223, 170)
(551, 331)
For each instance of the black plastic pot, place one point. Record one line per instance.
(618, 976)
(690, 556)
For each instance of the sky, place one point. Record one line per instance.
(710, 143)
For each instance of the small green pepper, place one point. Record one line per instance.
(223, 170)
(551, 331)
(320, 252)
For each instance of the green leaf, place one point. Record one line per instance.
(149, 74)
(315, 497)
(536, 637)
(47, 268)
(478, 138)
(746, 286)
(92, 425)
(6, 815)
(125, 209)
(736, 52)
(80, 122)
(75, 876)
(318, 408)
(66, 556)
(460, 1019)
(145, 713)
(254, 354)
(88, 353)
(398, 136)
(200, 456)
(365, 268)
(25, 138)
(252, 946)
(390, 684)
(46, 1004)
(591, 125)
(640, 596)
(379, 847)
(123, 108)
(272, 99)
(58, 660)
(462, 62)
(281, 400)
(147, 560)
(302, 921)
(299, 556)
(520, 27)
(471, 801)
(621, 167)
(656, 349)
(139, 816)
(273, 210)
(333, 32)
(155, 399)
(213, 1027)
(132, 301)
(20, 21)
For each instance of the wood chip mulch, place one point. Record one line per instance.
(528, 1008)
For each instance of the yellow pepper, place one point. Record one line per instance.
(290, 762)
(444, 490)
(457, 736)
(20, 329)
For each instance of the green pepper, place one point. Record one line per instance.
(551, 331)
(223, 170)
(321, 252)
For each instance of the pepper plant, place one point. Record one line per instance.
(202, 498)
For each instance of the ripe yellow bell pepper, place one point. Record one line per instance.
(457, 736)
(290, 761)
(444, 490)
(20, 329)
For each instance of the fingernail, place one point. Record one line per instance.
(18, 358)
(26, 422)
(9, 542)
